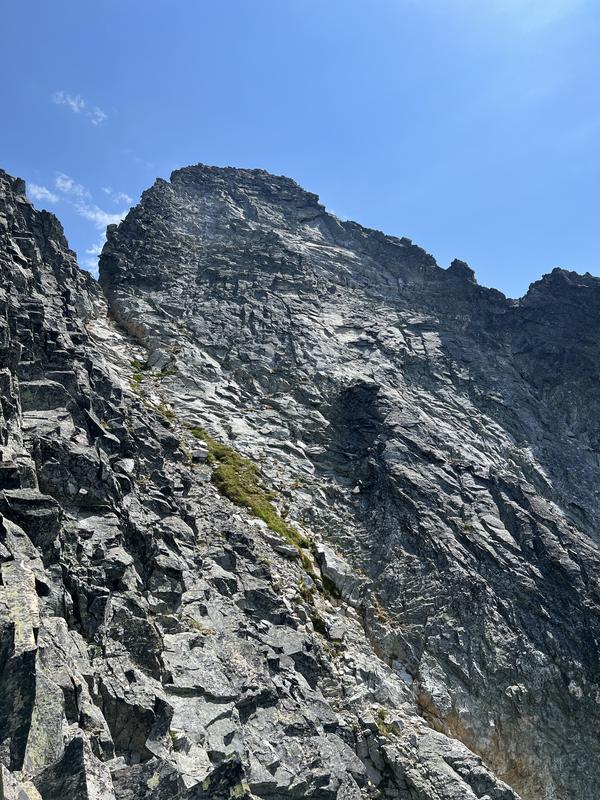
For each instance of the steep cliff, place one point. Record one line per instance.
(442, 438)
(157, 639)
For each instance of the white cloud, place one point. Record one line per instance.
(67, 185)
(90, 259)
(41, 193)
(117, 197)
(122, 197)
(100, 220)
(98, 216)
(78, 105)
(80, 199)
(96, 115)
(74, 102)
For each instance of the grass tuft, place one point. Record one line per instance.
(166, 412)
(198, 626)
(239, 479)
(382, 721)
(138, 375)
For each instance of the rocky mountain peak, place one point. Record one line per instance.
(252, 182)
(16, 186)
(288, 511)
(462, 270)
(564, 286)
(408, 417)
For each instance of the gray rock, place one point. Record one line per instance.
(158, 642)
(77, 776)
(439, 439)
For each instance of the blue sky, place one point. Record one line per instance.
(471, 126)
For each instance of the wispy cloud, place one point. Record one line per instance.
(98, 216)
(117, 197)
(66, 184)
(81, 200)
(41, 193)
(100, 219)
(92, 254)
(78, 105)
(122, 197)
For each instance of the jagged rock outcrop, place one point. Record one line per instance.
(438, 441)
(158, 641)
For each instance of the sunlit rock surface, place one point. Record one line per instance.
(432, 445)
(440, 436)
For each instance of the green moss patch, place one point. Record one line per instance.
(138, 375)
(239, 479)
(166, 412)
(386, 728)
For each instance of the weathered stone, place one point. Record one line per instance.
(19, 594)
(439, 439)
(38, 514)
(79, 775)
(158, 641)
(42, 395)
(11, 788)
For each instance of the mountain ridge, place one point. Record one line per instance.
(457, 265)
(435, 444)
(327, 334)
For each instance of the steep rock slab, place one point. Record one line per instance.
(443, 437)
(156, 641)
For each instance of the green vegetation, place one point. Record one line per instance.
(306, 592)
(238, 478)
(379, 611)
(153, 781)
(196, 625)
(138, 375)
(239, 790)
(165, 411)
(385, 727)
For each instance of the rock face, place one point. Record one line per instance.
(440, 437)
(296, 514)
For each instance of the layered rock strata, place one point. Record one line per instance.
(157, 640)
(443, 438)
